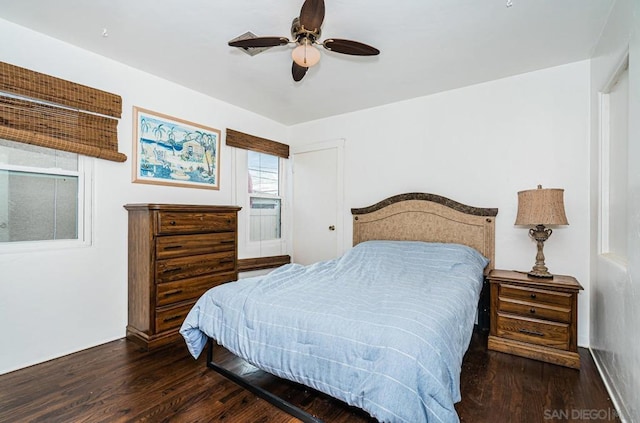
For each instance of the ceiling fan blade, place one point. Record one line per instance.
(260, 42)
(312, 15)
(353, 48)
(298, 71)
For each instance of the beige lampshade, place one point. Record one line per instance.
(542, 206)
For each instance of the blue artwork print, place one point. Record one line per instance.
(171, 151)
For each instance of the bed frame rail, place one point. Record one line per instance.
(281, 403)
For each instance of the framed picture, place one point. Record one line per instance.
(171, 151)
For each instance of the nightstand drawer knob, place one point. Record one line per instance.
(531, 332)
(532, 310)
(533, 295)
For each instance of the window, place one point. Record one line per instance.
(614, 166)
(265, 217)
(48, 127)
(261, 174)
(42, 194)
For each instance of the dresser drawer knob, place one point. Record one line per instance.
(174, 292)
(173, 247)
(532, 310)
(533, 295)
(172, 223)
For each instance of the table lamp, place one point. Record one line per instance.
(540, 207)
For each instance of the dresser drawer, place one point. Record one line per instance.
(190, 222)
(183, 245)
(191, 266)
(540, 296)
(533, 331)
(189, 289)
(172, 317)
(535, 309)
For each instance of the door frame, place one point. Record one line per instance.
(338, 145)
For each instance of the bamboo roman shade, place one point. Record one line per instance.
(50, 112)
(261, 145)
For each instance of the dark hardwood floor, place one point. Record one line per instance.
(118, 382)
(498, 387)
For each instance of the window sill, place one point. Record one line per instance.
(259, 263)
(37, 246)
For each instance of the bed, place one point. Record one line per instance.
(383, 328)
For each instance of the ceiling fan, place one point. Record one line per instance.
(305, 31)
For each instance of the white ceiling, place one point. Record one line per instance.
(427, 46)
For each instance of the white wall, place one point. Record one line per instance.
(480, 145)
(615, 298)
(57, 302)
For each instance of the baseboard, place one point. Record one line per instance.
(623, 414)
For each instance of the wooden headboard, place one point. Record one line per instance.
(427, 217)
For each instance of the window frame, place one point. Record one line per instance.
(266, 248)
(84, 174)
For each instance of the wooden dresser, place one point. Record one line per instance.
(176, 253)
(535, 317)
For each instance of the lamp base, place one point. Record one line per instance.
(540, 234)
(539, 274)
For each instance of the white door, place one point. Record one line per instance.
(317, 202)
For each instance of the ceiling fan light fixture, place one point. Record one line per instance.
(306, 54)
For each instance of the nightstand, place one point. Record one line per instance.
(535, 317)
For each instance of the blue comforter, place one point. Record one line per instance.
(383, 328)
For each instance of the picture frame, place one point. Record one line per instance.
(176, 152)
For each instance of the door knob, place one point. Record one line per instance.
(332, 228)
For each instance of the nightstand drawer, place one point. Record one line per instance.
(536, 295)
(536, 310)
(533, 331)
